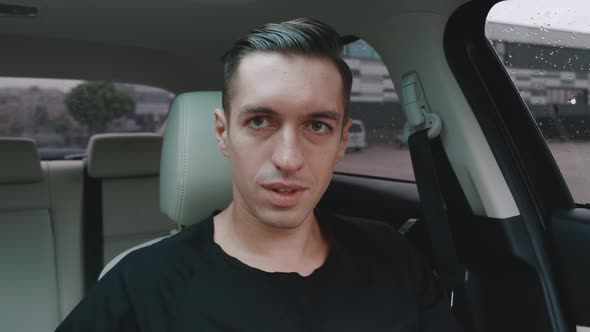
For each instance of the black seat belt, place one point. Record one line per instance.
(92, 244)
(426, 156)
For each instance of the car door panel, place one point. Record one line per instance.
(379, 199)
(570, 231)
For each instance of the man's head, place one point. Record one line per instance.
(286, 96)
(299, 37)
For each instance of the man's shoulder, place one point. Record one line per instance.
(360, 231)
(368, 242)
(362, 238)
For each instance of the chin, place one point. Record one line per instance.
(284, 219)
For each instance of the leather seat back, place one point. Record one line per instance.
(29, 299)
(128, 166)
(195, 176)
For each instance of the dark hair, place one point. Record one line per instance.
(303, 36)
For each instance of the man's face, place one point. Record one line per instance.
(285, 135)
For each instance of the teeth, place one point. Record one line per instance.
(285, 190)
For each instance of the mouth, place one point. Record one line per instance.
(284, 194)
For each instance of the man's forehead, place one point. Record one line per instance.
(266, 78)
(279, 63)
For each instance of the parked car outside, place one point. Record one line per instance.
(357, 136)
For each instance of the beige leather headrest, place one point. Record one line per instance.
(20, 162)
(124, 155)
(195, 177)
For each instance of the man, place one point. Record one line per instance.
(270, 261)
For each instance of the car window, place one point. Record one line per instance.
(545, 47)
(61, 115)
(377, 146)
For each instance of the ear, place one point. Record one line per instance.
(221, 129)
(344, 139)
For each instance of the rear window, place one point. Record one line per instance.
(62, 115)
(376, 110)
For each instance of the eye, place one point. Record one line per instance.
(319, 127)
(257, 122)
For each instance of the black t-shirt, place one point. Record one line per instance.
(372, 280)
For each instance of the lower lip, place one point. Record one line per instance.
(285, 199)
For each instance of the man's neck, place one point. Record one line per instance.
(272, 249)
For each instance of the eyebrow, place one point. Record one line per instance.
(249, 110)
(325, 115)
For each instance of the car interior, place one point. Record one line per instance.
(487, 204)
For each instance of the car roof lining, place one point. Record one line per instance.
(132, 41)
(38, 57)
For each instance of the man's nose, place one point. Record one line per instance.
(287, 156)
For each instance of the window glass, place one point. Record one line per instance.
(61, 115)
(377, 146)
(545, 46)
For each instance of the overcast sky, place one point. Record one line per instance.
(63, 85)
(567, 15)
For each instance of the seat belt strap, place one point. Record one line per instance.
(428, 155)
(429, 160)
(433, 210)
